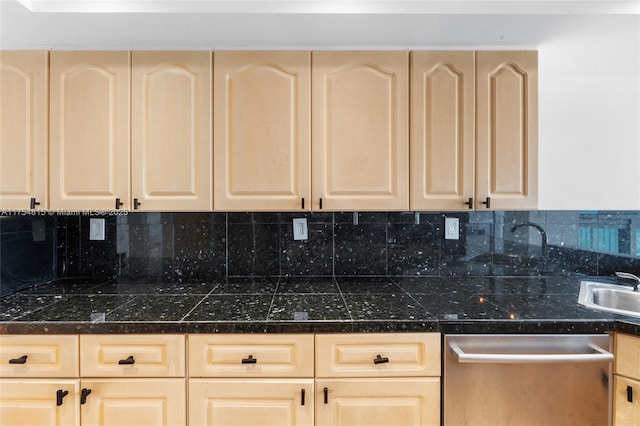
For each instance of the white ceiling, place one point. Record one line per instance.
(238, 24)
(336, 6)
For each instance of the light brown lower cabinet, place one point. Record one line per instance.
(238, 402)
(133, 402)
(626, 402)
(220, 379)
(378, 402)
(39, 402)
(626, 397)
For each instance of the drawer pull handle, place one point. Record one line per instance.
(59, 395)
(326, 395)
(302, 397)
(487, 202)
(629, 394)
(250, 360)
(380, 360)
(83, 395)
(21, 360)
(130, 360)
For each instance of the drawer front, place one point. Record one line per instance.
(378, 355)
(242, 356)
(38, 356)
(132, 355)
(628, 355)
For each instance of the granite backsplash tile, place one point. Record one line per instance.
(27, 252)
(177, 247)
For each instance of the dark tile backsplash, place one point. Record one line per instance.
(188, 247)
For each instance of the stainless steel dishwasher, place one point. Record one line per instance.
(527, 380)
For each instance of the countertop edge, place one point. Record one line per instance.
(445, 327)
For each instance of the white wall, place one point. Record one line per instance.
(589, 72)
(590, 115)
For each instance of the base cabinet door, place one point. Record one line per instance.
(378, 402)
(240, 402)
(626, 402)
(133, 402)
(33, 402)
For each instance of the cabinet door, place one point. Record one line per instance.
(24, 101)
(33, 402)
(442, 130)
(171, 130)
(134, 402)
(360, 123)
(507, 139)
(89, 130)
(378, 402)
(264, 402)
(626, 400)
(262, 133)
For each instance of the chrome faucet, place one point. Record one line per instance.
(543, 234)
(630, 277)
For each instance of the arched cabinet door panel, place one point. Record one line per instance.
(442, 129)
(262, 131)
(171, 130)
(507, 130)
(360, 125)
(89, 130)
(24, 106)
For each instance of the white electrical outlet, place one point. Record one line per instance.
(96, 229)
(451, 228)
(300, 229)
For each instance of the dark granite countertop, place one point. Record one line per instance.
(310, 304)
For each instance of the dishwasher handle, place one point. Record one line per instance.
(598, 354)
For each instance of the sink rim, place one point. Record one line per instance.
(585, 297)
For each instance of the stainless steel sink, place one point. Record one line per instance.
(607, 297)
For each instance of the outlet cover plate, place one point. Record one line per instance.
(451, 228)
(300, 231)
(96, 229)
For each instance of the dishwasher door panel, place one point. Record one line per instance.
(526, 393)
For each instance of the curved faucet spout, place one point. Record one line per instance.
(539, 228)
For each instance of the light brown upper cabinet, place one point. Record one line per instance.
(442, 129)
(171, 130)
(474, 130)
(262, 114)
(89, 130)
(360, 126)
(24, 102)
(507, 130)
